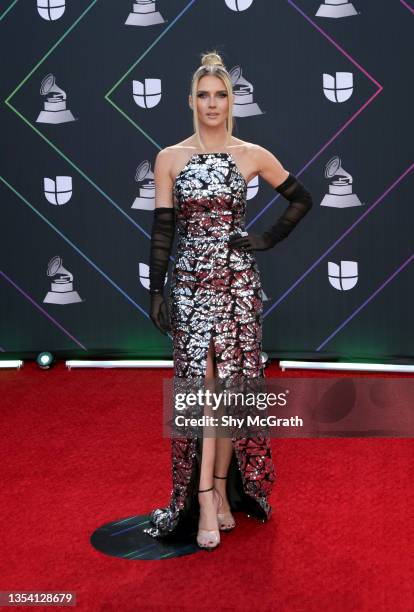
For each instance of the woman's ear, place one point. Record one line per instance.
(190, 101)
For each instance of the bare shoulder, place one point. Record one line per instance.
(243, 153)
(170, 161)
(253, 159)
(164, 161)
(249, 154)
(164, 156)
(261, 155)
(268, 166)
(163, 179)
(174, 157)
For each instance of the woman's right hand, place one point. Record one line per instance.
(159, 313)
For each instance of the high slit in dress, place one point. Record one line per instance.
(215, 296)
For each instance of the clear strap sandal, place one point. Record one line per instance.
(208, 539)
(225, 519)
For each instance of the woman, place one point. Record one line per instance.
(215, 300)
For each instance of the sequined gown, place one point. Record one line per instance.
(216, 297)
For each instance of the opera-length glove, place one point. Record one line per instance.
(300, 203)
(162, 236)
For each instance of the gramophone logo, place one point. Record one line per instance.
(243, 95)
(61, 291)
(58, 191)
(344, 276)
(338, 88)
(55, 110)
(51, 10)
(264, 296)
(144, 176)
(336, 9)
(340, 186)
(239, 5)
(144, 13)
(147, 94)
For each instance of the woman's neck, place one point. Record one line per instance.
(211, 141)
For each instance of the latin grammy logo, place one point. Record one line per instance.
(61, 291)
(336, 9)
(144, 14)
(340, 187)
(55, 110)
(243, 95)
(144, 176)
(264, 296)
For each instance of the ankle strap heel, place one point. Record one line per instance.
(205, 490)
(225, 519)
(208, 539)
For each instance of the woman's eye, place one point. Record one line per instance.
(202, 95)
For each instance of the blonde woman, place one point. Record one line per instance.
(214, 310)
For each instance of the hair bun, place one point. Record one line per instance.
(211, 59)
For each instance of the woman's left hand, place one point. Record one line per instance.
(251, 242)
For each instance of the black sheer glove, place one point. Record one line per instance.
(162, 237)
(300, 203)
(159, 312)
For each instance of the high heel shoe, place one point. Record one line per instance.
(208, 539)
(225, 519)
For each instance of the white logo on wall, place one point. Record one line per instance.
(61, 291)
(243, 95)
(55, 110)
(51, 10)
(147, 95)
(58, 191)
(336, 9)
(344, 276)
(340, 186)
(264, 296)
(144, 275)
(252, 188)
(144, 176)
(338, 88)
(144, 13)
(238, 5)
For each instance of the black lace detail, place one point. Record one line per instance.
(300, 203)
(162, 237)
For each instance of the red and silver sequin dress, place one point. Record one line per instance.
(215, 296)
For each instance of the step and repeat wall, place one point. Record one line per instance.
(92, 90)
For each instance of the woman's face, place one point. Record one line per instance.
(212, 101)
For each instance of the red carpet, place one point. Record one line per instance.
(83, 448)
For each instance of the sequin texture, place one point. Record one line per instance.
(215, 296)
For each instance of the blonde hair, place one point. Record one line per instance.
(212, 64)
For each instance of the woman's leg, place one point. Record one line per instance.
(208, 505)
(224, 449)
(209, 443)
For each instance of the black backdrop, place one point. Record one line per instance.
(316, 305)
